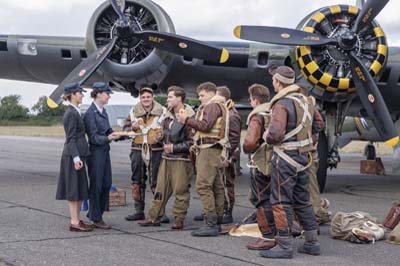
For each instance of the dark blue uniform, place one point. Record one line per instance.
(99, 163)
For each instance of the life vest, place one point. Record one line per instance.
(151, 126)
(261, 159)
(221, 127)
(298, 138)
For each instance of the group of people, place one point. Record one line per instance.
(171, 144)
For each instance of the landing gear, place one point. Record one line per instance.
(370, 151)
(323, 160)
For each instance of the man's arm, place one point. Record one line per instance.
(235, 127)
(253, 135)
(211, 113)
(277, 126)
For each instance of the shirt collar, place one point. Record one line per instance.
(76, 108)
(100, 109)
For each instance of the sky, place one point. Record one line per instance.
(200, 19)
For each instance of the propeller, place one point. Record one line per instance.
(172, 43)
(283, 36)
(82, 72)
(367, 90)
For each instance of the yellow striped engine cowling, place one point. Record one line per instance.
(309, 58)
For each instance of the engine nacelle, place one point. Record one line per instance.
(328, 67)
(138, 62)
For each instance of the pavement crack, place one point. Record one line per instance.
(57, 238)
(198, 249)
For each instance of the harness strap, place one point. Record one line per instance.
(289, 160)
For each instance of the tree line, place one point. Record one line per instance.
(13, 112)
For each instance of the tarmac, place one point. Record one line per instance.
(34, 226)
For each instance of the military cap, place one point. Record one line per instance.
(146, 89)
(102, 87)
(73, 87)
(284, 74)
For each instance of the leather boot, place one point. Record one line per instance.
(164, 219)
(177, 225)
(136, 195)
(282, 250)
(199, 218)
(311, 245)
(139, 212)
(137, 216)
(227, 218)
(261, 244)
(210, 228)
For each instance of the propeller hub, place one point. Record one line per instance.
(123, 29)
(348, 41)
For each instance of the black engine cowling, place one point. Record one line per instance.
(131, 60)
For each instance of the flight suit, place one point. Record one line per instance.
(145, 157)
(175, 171)
(212, 125)
(289, 178)
(260, 184)
(235, 125)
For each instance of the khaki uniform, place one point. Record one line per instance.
(321, 213)
(211, 124)
(175, 170)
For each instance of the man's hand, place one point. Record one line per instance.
(136, 125)
(265, 135)
(182, 116)
(159, 136)
(78, 165)
(168, 148)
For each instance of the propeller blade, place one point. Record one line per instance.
(81, 73)
(119, 7)
(185, 46)
(368, 13)
(372, 101)
(283, 36)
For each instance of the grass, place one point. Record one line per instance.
(35, 131)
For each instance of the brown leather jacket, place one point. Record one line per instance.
(279, 123)
(254, 134)
(211, 112)
(177, 134)
(235, 126)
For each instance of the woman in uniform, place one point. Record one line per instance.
(72, 182)
(100, 134)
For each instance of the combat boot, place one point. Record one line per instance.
(139, 212)
(210, 228)
(311, 245)
(227, 218)
(282, 250)
(199, 218)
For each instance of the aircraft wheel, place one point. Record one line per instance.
(370, 152)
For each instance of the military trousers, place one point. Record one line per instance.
(209, 181)
(320, 212)
(260, 192)
(290, 192)
(230, 174)
(141, 173)
(174, 177)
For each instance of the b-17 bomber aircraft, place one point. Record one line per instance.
(339, 52)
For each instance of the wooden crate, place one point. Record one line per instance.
(117, 198)
(372, 167)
